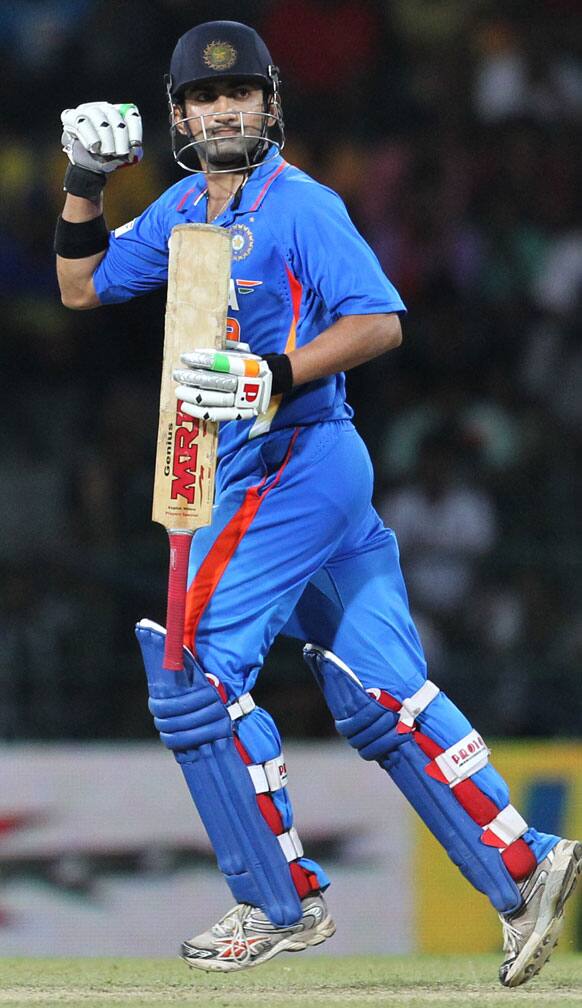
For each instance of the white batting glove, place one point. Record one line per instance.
(230, 384)
(102, 137)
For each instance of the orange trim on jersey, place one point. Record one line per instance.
(263, 423)
(221, 552)
(296, 296)
(296, 292)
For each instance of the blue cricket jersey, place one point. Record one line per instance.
(298, 265)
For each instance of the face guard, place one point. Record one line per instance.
(252, 138)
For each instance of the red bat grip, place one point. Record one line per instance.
(180, 543)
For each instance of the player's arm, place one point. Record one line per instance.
(98, 138)
(75, 276)
(328, 256)
(352, 340)
(235, 384)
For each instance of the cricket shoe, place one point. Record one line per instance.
(246, 937)
(531, 933)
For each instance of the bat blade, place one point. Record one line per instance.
(196, 309)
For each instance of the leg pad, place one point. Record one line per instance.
(195, 724)
(379, 733)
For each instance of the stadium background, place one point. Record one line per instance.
(452, 129)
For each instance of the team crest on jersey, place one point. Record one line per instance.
(242, 241)
(219, 55)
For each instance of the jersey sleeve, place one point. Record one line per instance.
(136, 260)
(329, 256)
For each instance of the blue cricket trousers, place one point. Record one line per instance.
(296, 547)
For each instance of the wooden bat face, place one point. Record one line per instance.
(196, 310)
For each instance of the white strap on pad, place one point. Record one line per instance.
(507, 826)
(291, 844)
(415, 704)
(270, 776)
(244, 705)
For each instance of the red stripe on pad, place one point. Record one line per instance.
(304, 881)
(242, 751)
(385, 698)
(518, 856)
(519, 860)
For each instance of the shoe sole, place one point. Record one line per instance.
(560, 884)
(295, 943)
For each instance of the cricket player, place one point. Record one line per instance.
(295, 546)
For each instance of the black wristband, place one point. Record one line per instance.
(83, 182)
(280, 367)
(77, 241)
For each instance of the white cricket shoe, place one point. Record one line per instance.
(531, 933)
(246, 937)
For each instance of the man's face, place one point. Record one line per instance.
(218, 105)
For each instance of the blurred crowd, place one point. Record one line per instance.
(452, 129)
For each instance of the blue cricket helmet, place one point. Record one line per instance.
(220, 49)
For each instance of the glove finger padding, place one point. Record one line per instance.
(250, 396)
(79, 126)
(244, 378)
(218, 414)
(111, 130)
(204, 397)
(96, 135)
(205, 380)
(132, 118)
(227, 362)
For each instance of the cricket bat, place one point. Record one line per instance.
(196, 308)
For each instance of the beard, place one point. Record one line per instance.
(223, 151)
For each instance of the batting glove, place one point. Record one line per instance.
(223, 384)
(102, 137)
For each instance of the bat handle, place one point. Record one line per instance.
(180, 542)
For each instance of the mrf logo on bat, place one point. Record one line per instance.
(182, 455)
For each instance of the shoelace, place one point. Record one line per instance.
(232, 926)
(511, 936)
